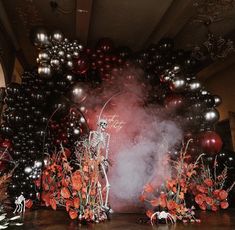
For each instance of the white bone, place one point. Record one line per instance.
(98, 140)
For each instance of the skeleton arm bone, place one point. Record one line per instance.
(107, 147)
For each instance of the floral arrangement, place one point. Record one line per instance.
(208, 188)
(75, 188)
(5, 179)
(187, 179)
(170, 196)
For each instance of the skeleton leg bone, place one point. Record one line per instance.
(107, 186)
(100, 193)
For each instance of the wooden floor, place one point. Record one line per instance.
(57, 220)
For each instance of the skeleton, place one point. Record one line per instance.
(20, 204)
(98, 142)
(163, 215)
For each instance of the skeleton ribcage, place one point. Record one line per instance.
(98, 139)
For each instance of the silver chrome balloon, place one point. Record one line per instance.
(41, 39)
(204, 92)
(211, 116)
(218, 100)
(69, 64)
(176, 69)
(195, 85)
(55, 63)
(61, 53)
(43, 56)
(57, 36)
(44, 70)
(178, 84)
(75, 54)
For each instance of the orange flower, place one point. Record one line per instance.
(174, 189)
(46, 198)
(76, 181)
(199, 199)
(223, 195)
(65, 193)
(73, 214)
(216, 192)
(201, 188)
(170, 183)
(142, 197)
(76, 202)
(148, 188)
(28, 203)
(155, 202)
(65, 182)
(163, 200)
(68, 204)
(149, 213)
(53, 203)
(202, 206)
(224, 204)
(208, 182)
(93, 192)
(182, 183)
(171, 205)
(181, 195)
(209, 200)
(85, 168)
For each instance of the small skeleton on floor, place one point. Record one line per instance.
(98, 142)
(20, 205)
(163, 215)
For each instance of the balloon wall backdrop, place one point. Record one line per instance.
(52, 105)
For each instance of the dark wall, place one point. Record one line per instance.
(7, 54)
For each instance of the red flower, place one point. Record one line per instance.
(149, 213)
(28, 203)
(142, 197)
(208, 182)
(148, 188)
(155, 202)
(214, 208)
(199, 199)
(201, 188)
(53, 203)
(216, 192)
(202, 206)
(209, 201)
(171, 205)
(224, 204)
(223, 195)
(68, 204)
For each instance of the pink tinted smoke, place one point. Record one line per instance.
(139, 146)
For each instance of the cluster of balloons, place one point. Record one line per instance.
(49, 108)
(23, 121)
(30, 120)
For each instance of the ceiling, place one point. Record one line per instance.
(135, 23)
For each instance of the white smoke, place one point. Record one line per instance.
(139, 149)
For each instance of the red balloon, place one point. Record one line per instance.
(210, 142)
(5, 144)
(81, 65)
(174, 101)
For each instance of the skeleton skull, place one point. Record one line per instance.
(102, 123)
